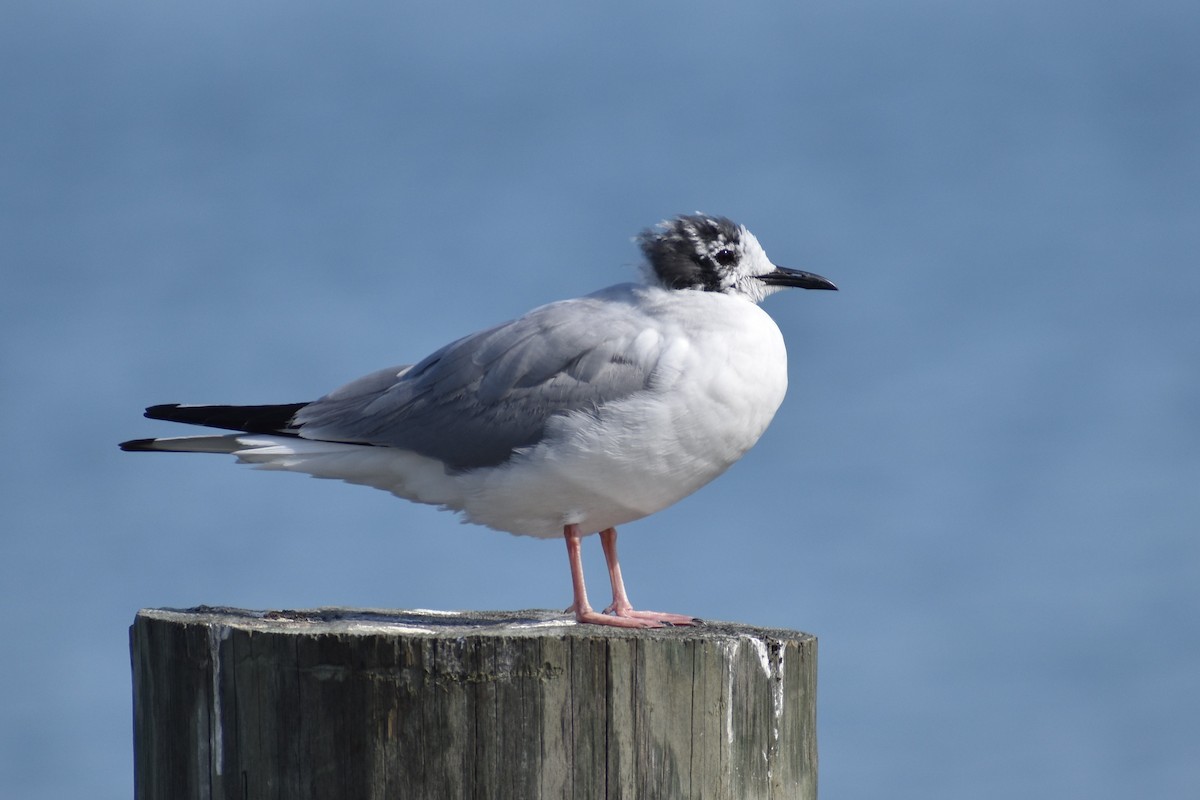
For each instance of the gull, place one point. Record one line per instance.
(578, 417)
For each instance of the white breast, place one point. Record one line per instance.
(721, 374)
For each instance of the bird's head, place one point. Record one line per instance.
(715, 254)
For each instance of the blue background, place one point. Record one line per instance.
(982, 492)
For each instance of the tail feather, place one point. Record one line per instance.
(186, 444)
(247, 419)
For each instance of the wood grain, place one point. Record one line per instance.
(345, 703)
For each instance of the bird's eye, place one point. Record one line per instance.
(726, 257)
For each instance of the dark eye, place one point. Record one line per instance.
(726, 257)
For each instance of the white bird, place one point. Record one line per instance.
(580, 416)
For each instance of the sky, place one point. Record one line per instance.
(982, 493)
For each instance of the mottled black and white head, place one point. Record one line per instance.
(715, 254)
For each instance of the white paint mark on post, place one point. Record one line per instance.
(216, 635)
(730, 646)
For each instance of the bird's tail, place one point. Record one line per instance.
(273, 420)
(186, 444)
(266, 439)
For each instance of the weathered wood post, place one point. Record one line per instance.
(341, 703)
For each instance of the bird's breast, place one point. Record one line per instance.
(716, 372)
(720, 374)
(724, 367)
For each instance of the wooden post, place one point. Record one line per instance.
(343, 703)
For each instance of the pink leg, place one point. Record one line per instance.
(581, 607)
(621, 606)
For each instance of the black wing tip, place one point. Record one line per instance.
(138, 445)
(160, 411)
(275, 418)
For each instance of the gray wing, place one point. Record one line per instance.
(476, 401)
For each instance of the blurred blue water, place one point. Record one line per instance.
(982, 491)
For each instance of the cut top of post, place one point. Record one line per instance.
(409, 622)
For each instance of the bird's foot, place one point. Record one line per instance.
(661, 617)
(597, 618)
(589, 617)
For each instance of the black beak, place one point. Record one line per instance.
(782, 276)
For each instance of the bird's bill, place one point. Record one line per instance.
(782, 276)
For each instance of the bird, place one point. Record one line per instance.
(576, 418)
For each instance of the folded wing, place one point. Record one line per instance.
(477, 401)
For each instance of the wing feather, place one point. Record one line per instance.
(477, 401)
